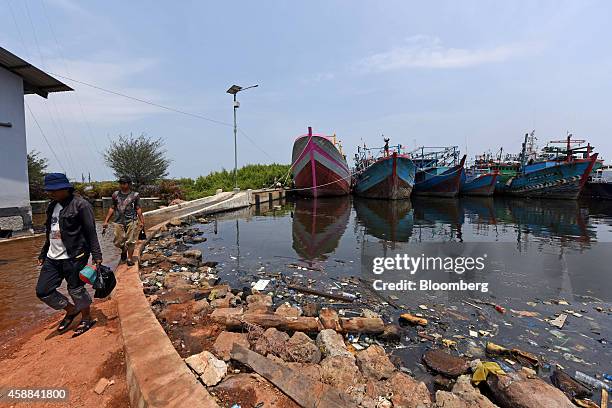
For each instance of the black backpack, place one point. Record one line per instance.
(105, 282)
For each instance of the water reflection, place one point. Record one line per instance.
(568, 223)
(559, 220)
(387, 220)
(318, 224)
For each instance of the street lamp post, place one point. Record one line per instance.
(233, 90)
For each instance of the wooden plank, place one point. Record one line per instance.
(321, 293)
(305, 391)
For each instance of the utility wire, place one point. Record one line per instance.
(195, 115)
(76, 94)
(45, 137)
(59, 130)
(254, 144)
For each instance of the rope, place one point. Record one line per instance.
(293, 164)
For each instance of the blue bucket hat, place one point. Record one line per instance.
(57, 181)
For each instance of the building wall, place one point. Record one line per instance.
(15, 212)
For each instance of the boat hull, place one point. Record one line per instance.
(482, 185)
(389, 178)
(598, 190)
(445, 184)
(318, 167)
(562, 181)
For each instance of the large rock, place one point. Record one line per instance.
(287, 310)
(571, 387)
(340, 372)
(193, 253)
(175, 222)
(227, 301)
(329, 319)
(301, 349)
(445, 363)
(408, 392)
(332, 344)
(374, 363)
(177, 280)
(259, 303)
(148, 257)
(271, 341)
(391, 333)
(201, 307)
(183, 260)
(517, 390)
(463, 395)
(210, 369)
(249, 390)
(226, 340)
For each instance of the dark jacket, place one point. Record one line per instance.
(77, 227)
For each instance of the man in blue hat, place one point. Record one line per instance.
(70, 240)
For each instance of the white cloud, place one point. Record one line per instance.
(422, 51)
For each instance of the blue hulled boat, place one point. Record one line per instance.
(479, 183)
(389, 176)
(560, 176)
(439, 173)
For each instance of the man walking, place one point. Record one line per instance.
(126, 205)
(70, 239)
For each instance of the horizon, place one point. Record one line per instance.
(473, 75)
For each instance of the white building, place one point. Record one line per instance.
(17, 78)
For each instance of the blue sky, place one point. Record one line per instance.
(475, 74)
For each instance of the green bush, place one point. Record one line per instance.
(250, 176)
(99, 188)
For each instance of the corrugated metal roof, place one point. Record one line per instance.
(35, 81)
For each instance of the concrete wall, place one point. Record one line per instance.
(15, 213)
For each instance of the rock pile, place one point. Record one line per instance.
(248, 350)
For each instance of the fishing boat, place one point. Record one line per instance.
(439, 171)
(319, 167)
(506, 166)
(555, 173)
(479, 182)
(599, 185)
(386, 173)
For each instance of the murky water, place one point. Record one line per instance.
(538, 251)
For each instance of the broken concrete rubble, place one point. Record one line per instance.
(332, 344)
(352, 333)
(374, 363)
(209, 368)
(516, 390)
(463, 395)
(226, 340)
(444, 363)
(301, 349)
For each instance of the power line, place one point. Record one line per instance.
(195, 115)
(45, 137)
(76, 94)
(59, 130)
(254, 144)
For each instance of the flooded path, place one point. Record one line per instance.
(19, 306)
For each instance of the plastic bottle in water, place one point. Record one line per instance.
(593, 382)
